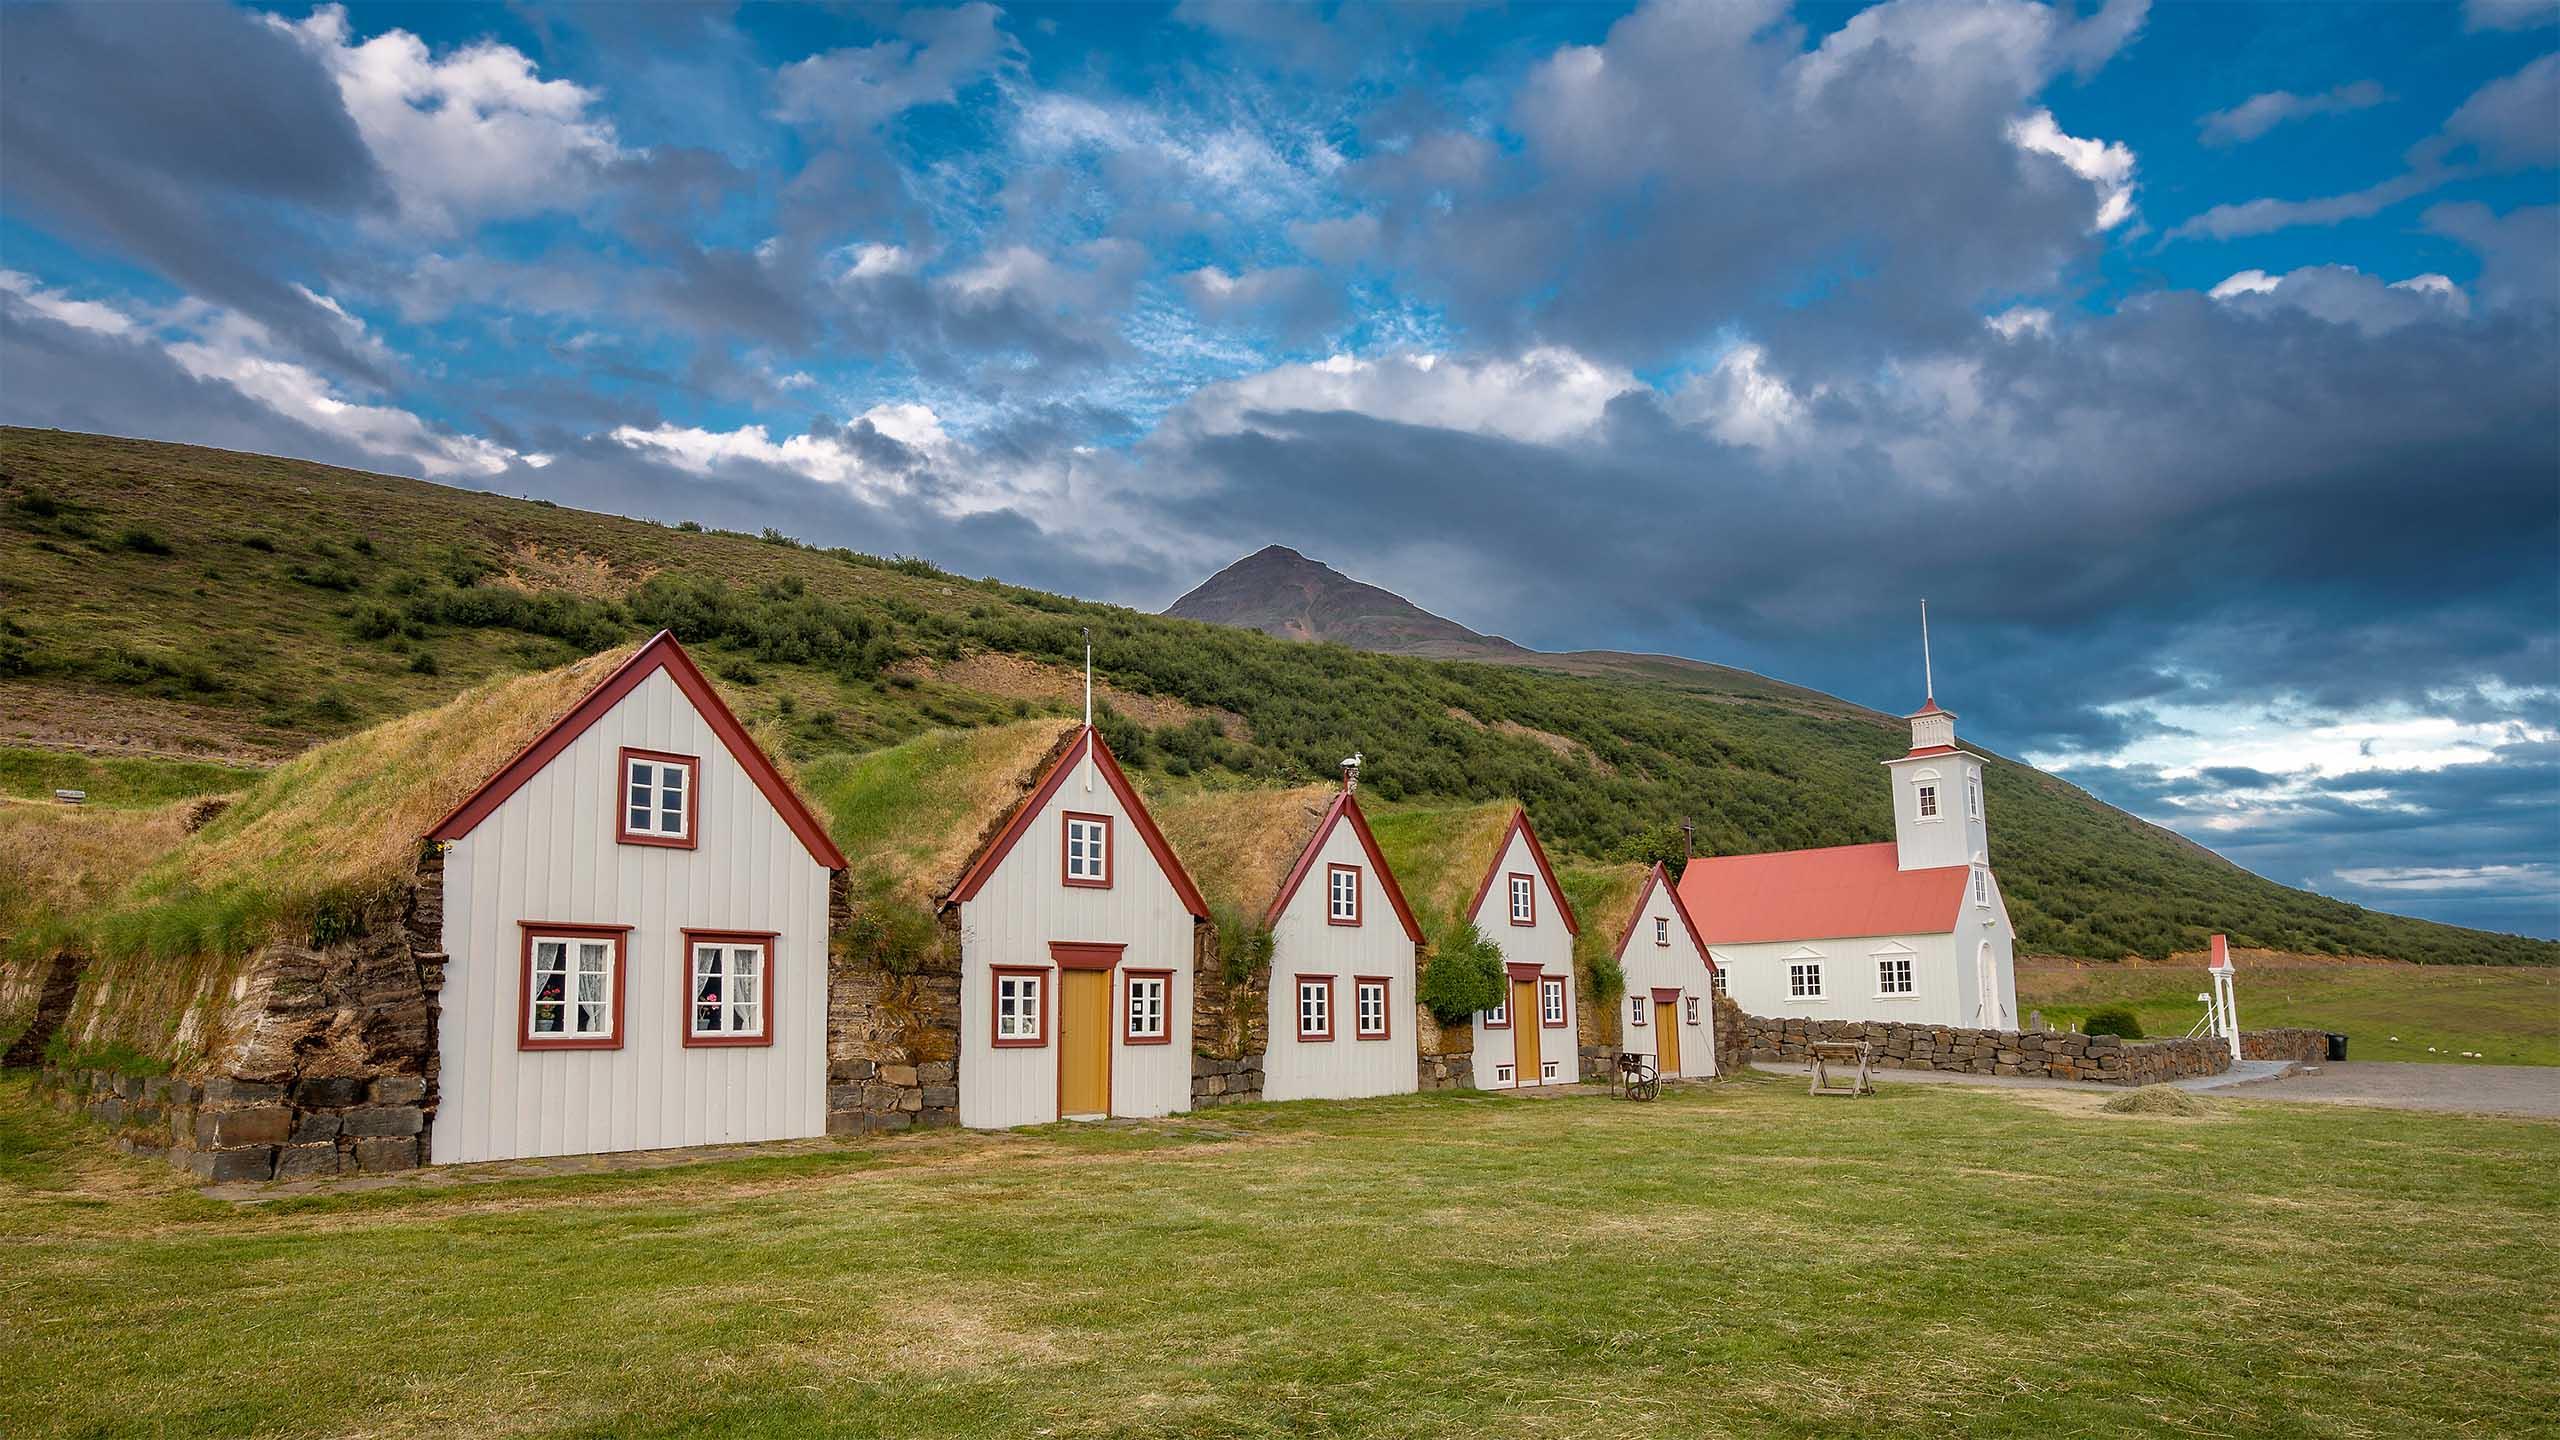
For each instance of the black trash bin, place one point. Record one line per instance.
(2337, 1046)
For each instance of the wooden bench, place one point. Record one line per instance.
(1825, 1053)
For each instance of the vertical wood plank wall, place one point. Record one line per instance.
(1304, 942)
(549, 853)
(1549, 946)
(1011, 921)
(1677, 965)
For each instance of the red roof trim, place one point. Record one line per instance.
(1345, 804)
(661, 653)
(1520, 826)
(1930, 750)
(975, 877)
(1661, 878)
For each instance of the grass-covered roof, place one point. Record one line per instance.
(910, 818)
(315, 842)
(1239, 844)
(1440, 855)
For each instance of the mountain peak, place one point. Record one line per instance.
(1279, 591)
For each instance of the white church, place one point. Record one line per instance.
(1912, 929)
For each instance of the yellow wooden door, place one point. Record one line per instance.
(1666, 1029)
(1525, 1021)
(1084, 1043)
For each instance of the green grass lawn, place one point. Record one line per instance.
(2510, 1014)
(1740, 1260)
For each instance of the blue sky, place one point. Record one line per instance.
(2201, 364)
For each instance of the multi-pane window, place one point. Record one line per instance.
(1315, 1008)
(1342, 894)
(1551, 1000)
(1804, 980)
(1981, 887)
(1689, 1008)
(571, 988)
(1928, 802)
(728, 989)
(657, 797)
(1369, 999)
(1088, 850)
(1636, 1008)
(1661, 930)
(1893, 975)
(1972, 798)
(1500, 1014)
(1715, 981)
(1147, 1006)
(1021, 1015)
(1524, 901)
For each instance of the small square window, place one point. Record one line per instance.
(1804, 980)
(1636, 1008)
(1087, 860)
(659, 800)
(1524, 900)
(1369, 996)
(1315, 1007)
(1021, 1009)
(1147, 1005)
(1551, 1000)
(1342, 894)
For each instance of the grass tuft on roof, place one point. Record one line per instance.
(1239, 844)
(316, 844)
(909, 818)
(1440, 855)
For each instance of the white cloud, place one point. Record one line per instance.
(2245, 282)
(2452, 879)
(2344, 295)
(62, 309)
(2106, 164)
(1740, 401)
(2259, 114)
(874, 262)
(2020, 320)
(1545, 395)
(834, 457)
(849, 90)
(476, 135)
(2514, 121)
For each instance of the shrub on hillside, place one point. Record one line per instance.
(1463, 976)
(141, 541)
(2113, 1020)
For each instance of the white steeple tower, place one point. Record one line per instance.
(1937, 788)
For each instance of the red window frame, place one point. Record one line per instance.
(1639, 1010)
(1502, 1008)
(1522, 887)
(1564, 1010)
(1110, 849)
(1298, 1003)
(996, 976)
(1661, 929)
(1329, 872)
(1129, 1012)
(691, 839)
(620, 935)
(768, 939)
(1386, 1007)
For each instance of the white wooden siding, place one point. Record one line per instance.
(550, 853)
(1674, 966)
(1547, 945)
(1305, 942)
(1012, 919)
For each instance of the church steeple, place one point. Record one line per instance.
(1937, 786)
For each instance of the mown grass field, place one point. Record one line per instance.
(2509, 1014)
(1738, 1260)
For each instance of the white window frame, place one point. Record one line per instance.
(1636, 1008)
(1798, 971)
(1319, 989)
(1524, 900)
(1150, 999)
(1500, 1014)
(1910, 978)
(656, 792)
(1551, 987)
(1661, 929)
(1717, 983)
(1088, 838)
(1973, 796)
(572, 968)
(1342, 902)
(1981, 887)
(729, 951)
(1025, 1022)
(1362, 992)
(1927, 803)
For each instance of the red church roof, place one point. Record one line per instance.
(1828, 894)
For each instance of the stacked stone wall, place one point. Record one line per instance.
(893, 1037)
(1230, 1026)
(2047, 1053)
(2311, 1046)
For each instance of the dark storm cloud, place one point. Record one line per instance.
(188, 143)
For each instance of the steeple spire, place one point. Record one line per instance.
(1928, 677)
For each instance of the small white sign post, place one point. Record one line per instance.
(2226, 1015)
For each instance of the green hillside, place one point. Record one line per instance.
(180, 602)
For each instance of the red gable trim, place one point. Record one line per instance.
(1660, 879)
(1345, 805)
(661, 653)
(1520, 826)
(975, 877)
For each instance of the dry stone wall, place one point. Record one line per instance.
(2047, 1053)
(1230, 1026)
(2285, 1044)
(893, 1038)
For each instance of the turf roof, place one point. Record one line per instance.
(1239, 845)
(910, 818)
(1440, 855)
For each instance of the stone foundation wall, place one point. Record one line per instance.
(1892, 1046)
(2311, 1046)
(41, 990)
(1447, 1072)
(1733, 1030)
(1230, 1026)
(331, 1071)
(893, 1040)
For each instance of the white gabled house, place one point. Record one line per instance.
(1670, 1001)
(1532, 1037)
(1342, 968)
(1077, 945)
(635, 920)
(1912, 929)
